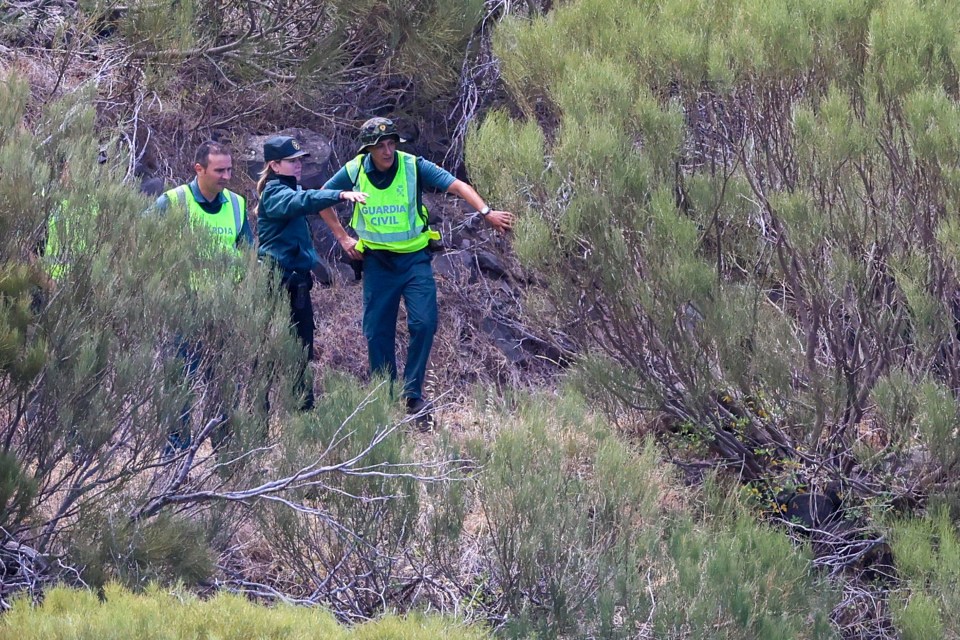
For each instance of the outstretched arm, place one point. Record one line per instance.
(284, 203)
(499, 220)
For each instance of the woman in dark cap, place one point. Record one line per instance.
(285, 236)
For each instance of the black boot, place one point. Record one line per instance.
(422, 410)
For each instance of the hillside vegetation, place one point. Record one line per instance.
(752, 209)
(156, 615)
(744, 215)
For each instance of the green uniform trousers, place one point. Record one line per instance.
(388, 277)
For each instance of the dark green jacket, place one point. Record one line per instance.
(282, 224)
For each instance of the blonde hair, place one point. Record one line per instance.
(265, 174)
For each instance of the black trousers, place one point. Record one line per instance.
(301, 318)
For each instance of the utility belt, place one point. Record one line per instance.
(385, 256)
(298, 284)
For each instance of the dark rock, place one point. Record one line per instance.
(877, 562)
(546, 350)
(152, 187)
(810, 510)
(853, 546)
(491, 265)
(456, 266)
(345, 272)
(519, 346)
(327, 246)
(505, 339)
(322, 273)
(146, 167)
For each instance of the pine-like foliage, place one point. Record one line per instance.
(172, 73)
(582, 536)
(744, 200)
(92, 384)
(750, 211)
(928, 553)
(159, 615)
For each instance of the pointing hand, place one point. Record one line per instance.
(354, 196)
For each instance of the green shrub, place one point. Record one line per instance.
(578, 543)
(745, 200)
(17, 491)
(353, 525)
(927, 552)
(737, 579)
(92, 384)
(163, 550)
(163, 615)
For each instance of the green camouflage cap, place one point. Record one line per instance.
(376, 129)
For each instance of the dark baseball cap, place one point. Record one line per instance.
(282, 148)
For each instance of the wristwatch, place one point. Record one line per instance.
(483, 212)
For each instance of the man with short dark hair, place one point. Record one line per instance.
(393, 243)
(208, 201)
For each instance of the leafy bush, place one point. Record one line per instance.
(928, 555)
(163, 67)
(93, 384)
(324, 506)
(580, 539)
(160, 615)
(746, 212)
(354, 526)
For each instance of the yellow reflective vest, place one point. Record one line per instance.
(390, 219)
(64, 237)
(225, 224)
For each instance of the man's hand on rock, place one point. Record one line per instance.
(502, 221)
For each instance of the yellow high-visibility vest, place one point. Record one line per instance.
(390, 219)
(64, 238)
(225, 224)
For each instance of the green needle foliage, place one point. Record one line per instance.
(748, 201)
(580, 539)
(94, 331)
(90, 380)
(187, 70)
(159, 615)
(928, 553)
(749, 212)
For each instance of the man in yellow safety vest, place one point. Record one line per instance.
(393, 243)
(206, 201)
